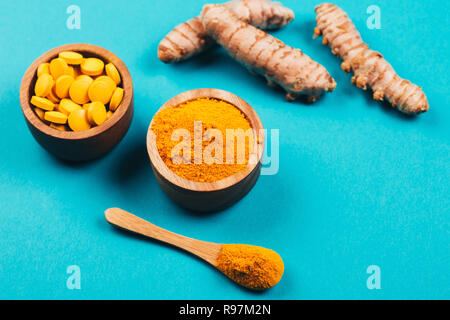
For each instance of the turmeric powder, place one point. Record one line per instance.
(205, 153)
(251, 266)
(369, 67)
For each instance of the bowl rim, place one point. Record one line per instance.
(255, 122)
(107, 56)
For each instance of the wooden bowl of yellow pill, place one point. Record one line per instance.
(210, 182)
(75, 101)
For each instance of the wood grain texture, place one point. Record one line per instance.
(208, 251)
(82, 145)
(207, 196)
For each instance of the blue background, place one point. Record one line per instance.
(359, 184)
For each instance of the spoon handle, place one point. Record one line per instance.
(208, 251)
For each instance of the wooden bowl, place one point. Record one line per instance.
(207, 196)
(81, 145)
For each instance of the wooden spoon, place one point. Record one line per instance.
(263, 269)
(208, 251)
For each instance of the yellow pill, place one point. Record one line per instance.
(55, 117)
(40, 113)
(92, 66)
(78, 91)
(59, 127)
(43, 85)
(74, 71)
(96, 113)
(100, 91)
(62, 86)
(78, 120)
(71, 57)
(42, 103)
(44, 68)
(83, 76)
(109, 114)
(67, 106)
(70, 72)
(58, 67)
(116, 99)
(108, 80)
(112, 72)
(86, 106)
(52, 96)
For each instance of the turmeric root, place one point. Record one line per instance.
(263, 54)
(190, 38)
(368, 66)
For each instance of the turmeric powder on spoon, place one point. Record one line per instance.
(251, 266)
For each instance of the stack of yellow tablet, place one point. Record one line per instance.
(76, 93)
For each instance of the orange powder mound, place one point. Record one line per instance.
(214, 114)
(251, 266)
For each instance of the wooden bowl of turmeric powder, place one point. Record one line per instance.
(205, 148)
